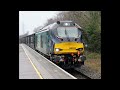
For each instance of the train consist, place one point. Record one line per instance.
(61, 42)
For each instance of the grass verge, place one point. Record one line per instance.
(93, 61)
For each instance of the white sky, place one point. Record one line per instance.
(28, 20)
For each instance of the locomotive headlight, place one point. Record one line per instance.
(80, 49)
(66, 24)
(57, 49)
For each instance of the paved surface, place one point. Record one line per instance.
(35, 66)
(26, 70)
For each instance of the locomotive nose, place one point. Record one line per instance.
(68, 48)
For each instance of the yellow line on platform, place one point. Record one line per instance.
(33, 64)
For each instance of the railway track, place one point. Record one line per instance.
(78, 74)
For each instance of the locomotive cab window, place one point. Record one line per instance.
(68, 32)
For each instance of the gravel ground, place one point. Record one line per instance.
(90, 72)
(75, 73)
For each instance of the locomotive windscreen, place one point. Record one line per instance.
(68, 32)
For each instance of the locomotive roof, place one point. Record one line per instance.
(58, 23)
(46, 28)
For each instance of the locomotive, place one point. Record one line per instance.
(61, 42)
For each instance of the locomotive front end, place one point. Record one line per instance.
(69, 48)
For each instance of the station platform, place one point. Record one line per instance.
(33, 65)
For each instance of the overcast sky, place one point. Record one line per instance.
(28, 20)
